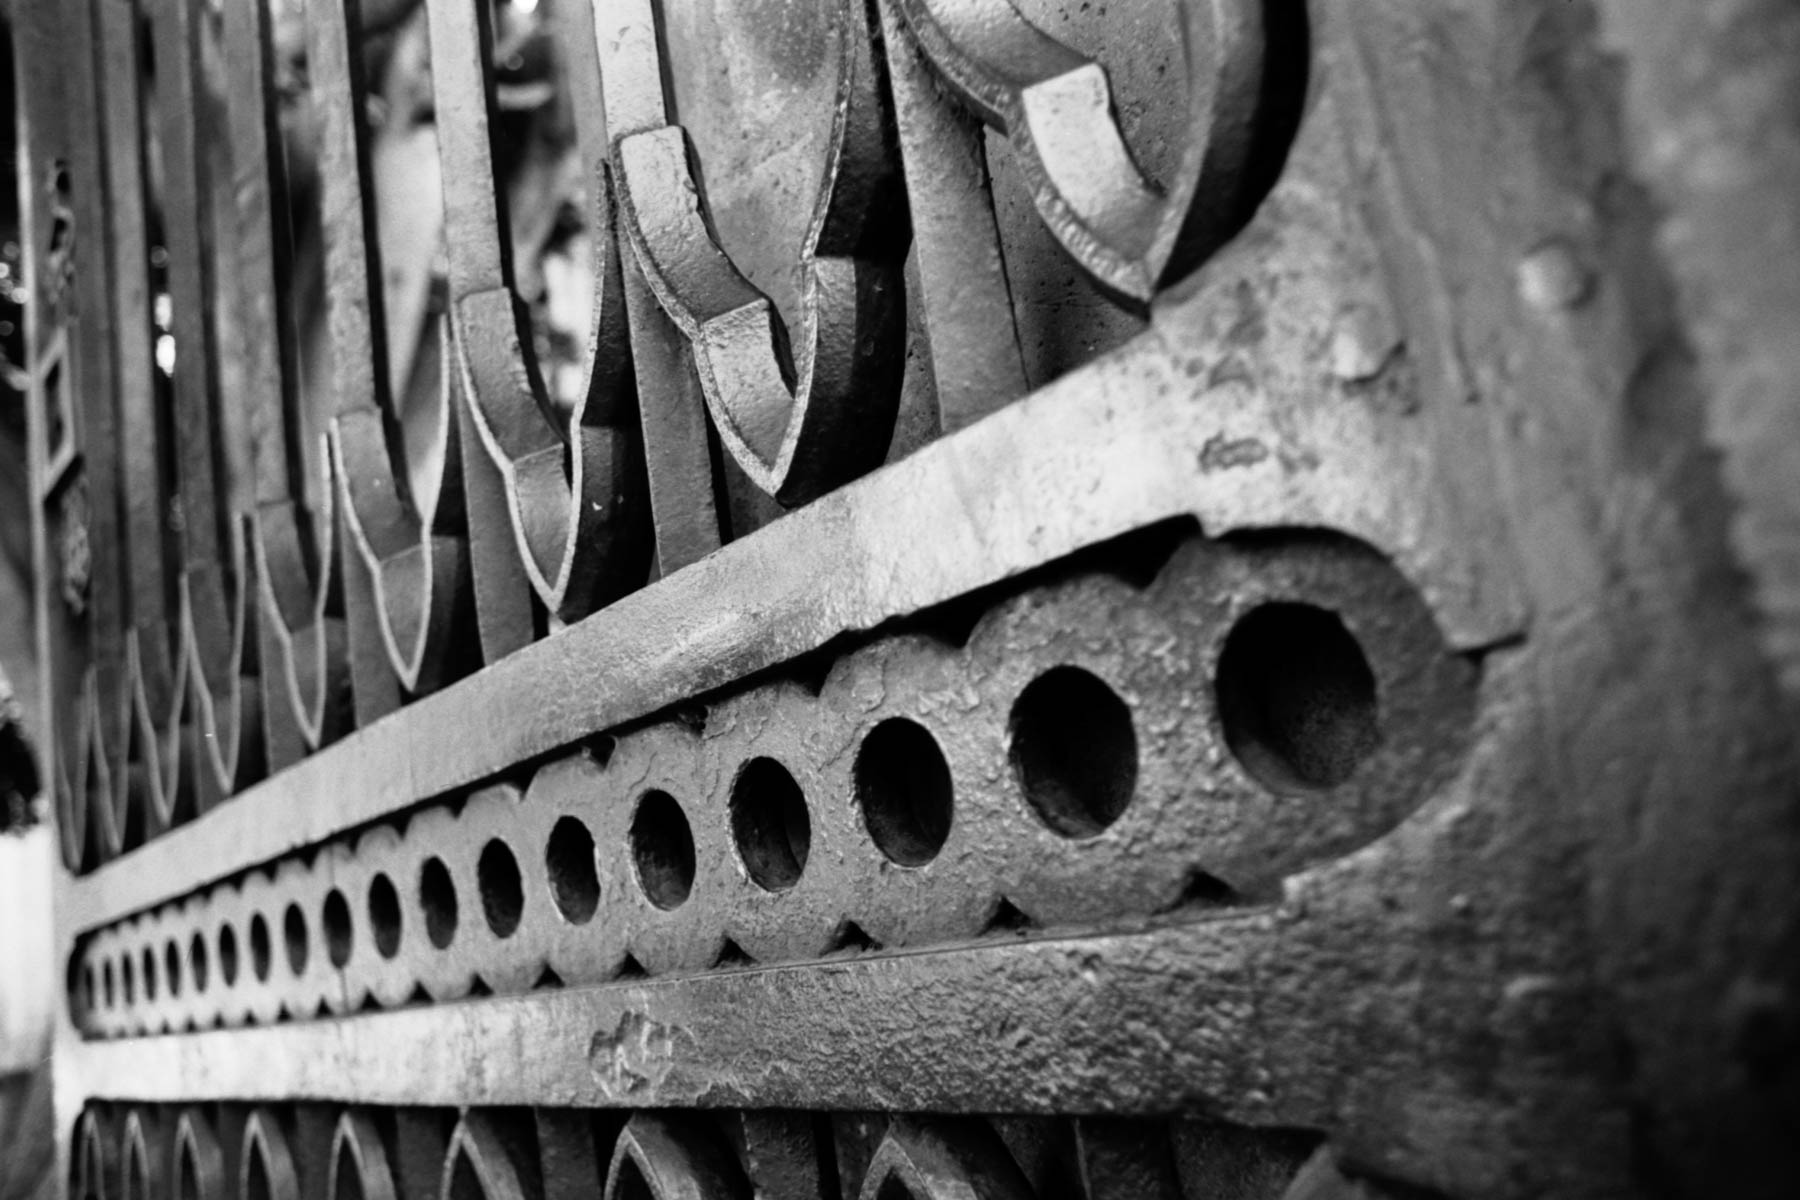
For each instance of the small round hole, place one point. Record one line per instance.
(227, 955)
(574, 878)
(384, 915)
(172, 972)
(338, 931)
(106, 981)
(90, 996)
(197, 965)
(903, 785)
(502, 891)
(1296, 697)
(770, 824)
(437, 896)
(1074, 751)
(662, 849)
(127, 979)
(260, 957)
(293, 933)
(149, 975)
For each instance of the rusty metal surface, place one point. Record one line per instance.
(288, 1151)
(1121, 563)
(802, 824)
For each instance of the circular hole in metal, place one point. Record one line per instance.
(662, 850)
(502, 891)
(106, 981)
(294, 936)
(197, 964)
(172, 967)
(339, 933)
(260, 957)
(1296, 697)
(384, 915)
(437, 897)
(89, 995)
(127, 979)
(903, 786)
(770, 824)
(1074, 751)
(227, 955)
(574, 877)
(149, 974)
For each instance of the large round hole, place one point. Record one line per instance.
(1296, 697)
(384, 915)
(227, 955)
(770, 824)
(338, 932)
(1074, 751)
(197, 966)
(903, 785)
(260, 956)
(293, 934)
(662, 850)
(437, 897)
(149, 975)
(502, 891)
(574, 878)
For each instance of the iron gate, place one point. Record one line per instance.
(908, 597)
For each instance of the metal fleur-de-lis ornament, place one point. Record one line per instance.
(1130, 233)
(571, 480)
(799, 424)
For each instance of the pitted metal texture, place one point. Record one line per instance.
(1168, 727)
(330, 1152)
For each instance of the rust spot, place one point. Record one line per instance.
(1222, 453)
(637, 1055)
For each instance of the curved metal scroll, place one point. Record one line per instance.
(266, 1166)
(657, 1158)
(210, 704)
(942, 1159)
(196, 1161)
(416, 561)
(142, 1174)
(93, 1161)
(359, 1165)
(573, 482)
(478, 1165)
(294, 542)
(799, 426)
(1130, 234)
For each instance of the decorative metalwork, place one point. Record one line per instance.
(280, 594)
(289, 1151)
(1040, 775)
(670, 599)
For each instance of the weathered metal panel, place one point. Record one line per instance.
(909, 597)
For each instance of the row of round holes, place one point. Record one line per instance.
(1297, 701)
